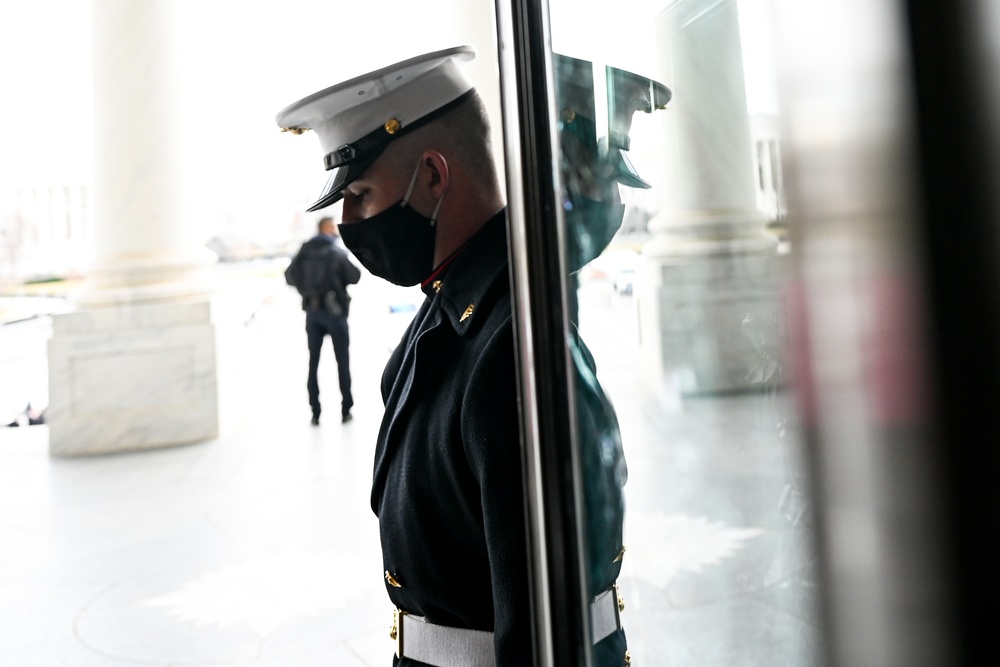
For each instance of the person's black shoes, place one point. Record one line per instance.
(344, 418)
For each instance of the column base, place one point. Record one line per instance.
(132, 377)
(714, 324)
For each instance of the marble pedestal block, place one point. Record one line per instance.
(714, 324)
(132, 377)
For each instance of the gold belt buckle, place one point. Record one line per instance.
(396, 631)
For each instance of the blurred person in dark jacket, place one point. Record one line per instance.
(321, 272)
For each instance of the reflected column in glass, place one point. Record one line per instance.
(677, 282)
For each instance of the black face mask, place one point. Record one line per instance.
(590, 226)
(396, 244)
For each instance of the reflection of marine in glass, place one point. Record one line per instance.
(595, 117)
(593, 163)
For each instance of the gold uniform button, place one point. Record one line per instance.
(468, 311)
(436, 285)
(620, 556)
(392, 580)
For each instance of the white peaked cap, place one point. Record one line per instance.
(356, 119)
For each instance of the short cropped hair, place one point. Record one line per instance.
(461, 135)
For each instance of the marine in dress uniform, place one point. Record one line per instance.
(447, 485)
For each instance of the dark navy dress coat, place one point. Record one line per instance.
(447, 485)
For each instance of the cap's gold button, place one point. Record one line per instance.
(392, 126)
(392, 580)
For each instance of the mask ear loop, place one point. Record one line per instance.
(434, 215)
(409, 191)
(413, 181)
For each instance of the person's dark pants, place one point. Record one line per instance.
(319, 325)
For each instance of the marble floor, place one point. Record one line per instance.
(260, 548)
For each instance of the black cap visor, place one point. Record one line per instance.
(579, 142)
(340, 178)
(347, 163)
(625, 172)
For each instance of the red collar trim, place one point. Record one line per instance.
(441, 267)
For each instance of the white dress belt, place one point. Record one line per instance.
(444, 646)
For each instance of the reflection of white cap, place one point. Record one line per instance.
(355, 120)
(621, 95)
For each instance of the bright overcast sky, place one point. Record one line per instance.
(242, 62)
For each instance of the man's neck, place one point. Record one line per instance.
(460, 231)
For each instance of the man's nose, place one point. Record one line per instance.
(349, 213)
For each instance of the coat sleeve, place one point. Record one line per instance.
(292, 271)
(491, 433)
(351, 273)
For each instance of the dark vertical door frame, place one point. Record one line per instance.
(958, 132)
(551, 463)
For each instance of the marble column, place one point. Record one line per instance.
(708, 302)
(134, 366)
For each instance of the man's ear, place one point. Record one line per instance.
(437, 165)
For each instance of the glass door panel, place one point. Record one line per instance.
(661, 147)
